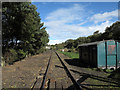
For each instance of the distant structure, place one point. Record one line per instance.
(63, 50)
(48, 47)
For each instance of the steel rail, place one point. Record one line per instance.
(45, 75)
(77, 86)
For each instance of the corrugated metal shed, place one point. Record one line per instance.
(101, 54)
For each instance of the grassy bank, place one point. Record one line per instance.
(70, 54)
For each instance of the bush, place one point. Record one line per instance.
(72, 50)
(21, 54)
(41, 50)
(10, 56)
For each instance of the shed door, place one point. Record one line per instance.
(111, 53)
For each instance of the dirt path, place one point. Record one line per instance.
(22, 74)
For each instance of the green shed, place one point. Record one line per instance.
(102, 54)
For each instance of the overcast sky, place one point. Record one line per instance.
(70, 20)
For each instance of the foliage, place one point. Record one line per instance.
(80, 40)
(21, 54)
(69, 43)
(95, 37)
(112, 32)
(58, 46)
(10, 56)
(22, 29)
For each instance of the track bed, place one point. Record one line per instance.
(31, 73)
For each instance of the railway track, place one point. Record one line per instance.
(77, 86)
(45, 75)
(43, 81)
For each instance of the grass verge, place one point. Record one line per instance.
(70, 54)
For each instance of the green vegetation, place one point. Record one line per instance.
(71, 54)
(101, 84)
(109, 70)
(115, 74)
(23, 33)
(102, 70)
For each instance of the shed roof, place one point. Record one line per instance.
(93, 43)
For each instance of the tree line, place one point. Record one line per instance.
(112, 32)
(23, 33)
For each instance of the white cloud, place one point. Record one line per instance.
(74, 31)
(67, 14)
(100, 27)
(105, 16)
(61, 23)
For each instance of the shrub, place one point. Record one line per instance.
(21, 54)
(41, 50)
(10, 56)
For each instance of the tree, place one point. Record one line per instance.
(22, 28)
(95, 37)
(112, 32)
(80, 40)
(69, 43)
